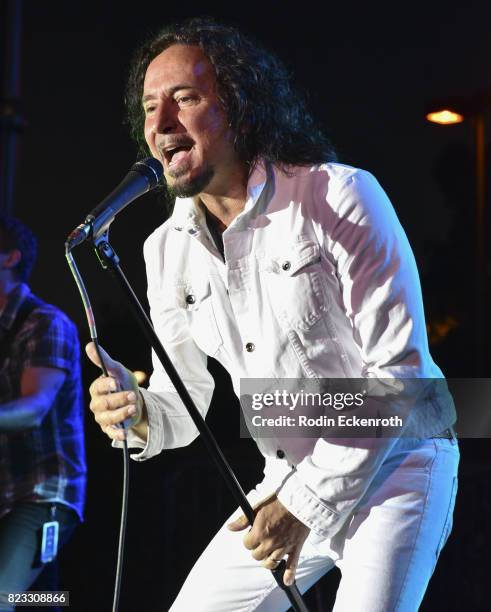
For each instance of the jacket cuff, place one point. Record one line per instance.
(307, 508)
(155, 431)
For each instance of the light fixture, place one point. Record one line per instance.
(445, 117)
(449, 111)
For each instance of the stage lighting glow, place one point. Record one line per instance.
(140, 376)
(445, 117)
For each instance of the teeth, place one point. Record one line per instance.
(169, 153)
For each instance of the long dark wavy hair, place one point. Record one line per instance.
(268, 118)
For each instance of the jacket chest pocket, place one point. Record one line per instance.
(295, 284)
(195, 299)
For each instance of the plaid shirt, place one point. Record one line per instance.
(46, 463)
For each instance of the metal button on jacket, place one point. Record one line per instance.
(286, 266)
(190, 299)
(250, 346)
(280, 454)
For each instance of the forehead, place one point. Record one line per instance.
(179, 64)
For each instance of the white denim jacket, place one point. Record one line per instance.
(318, 281)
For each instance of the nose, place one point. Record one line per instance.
(165, 119)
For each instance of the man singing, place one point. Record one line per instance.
(281, 263)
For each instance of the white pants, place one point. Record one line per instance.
(386, 550)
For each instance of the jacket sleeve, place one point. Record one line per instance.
(381, 293)
(169, 424)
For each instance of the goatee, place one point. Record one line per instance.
(191, 187)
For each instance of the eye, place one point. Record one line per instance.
(149, 109)
(185, 100)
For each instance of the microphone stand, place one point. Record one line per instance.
(110, 261)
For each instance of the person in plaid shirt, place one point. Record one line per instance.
(42, 455)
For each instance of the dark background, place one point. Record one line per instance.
(369, 70)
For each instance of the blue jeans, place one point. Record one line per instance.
(20, 544)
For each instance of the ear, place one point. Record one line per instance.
(12, 259)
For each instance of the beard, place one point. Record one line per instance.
(190, 187)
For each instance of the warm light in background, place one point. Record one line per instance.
(445, 117)
(140, 376)
(438, 329)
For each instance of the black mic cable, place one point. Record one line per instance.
(142, 177)
(126, 457)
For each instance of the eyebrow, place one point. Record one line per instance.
(171, 92)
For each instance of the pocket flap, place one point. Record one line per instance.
(190, 294)
(293, 259)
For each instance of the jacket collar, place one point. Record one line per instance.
(189, 214)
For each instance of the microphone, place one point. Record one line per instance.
(142, 177)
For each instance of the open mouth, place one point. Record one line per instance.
(176, 154)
